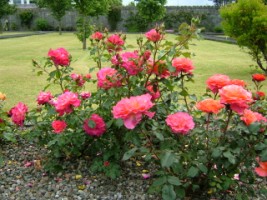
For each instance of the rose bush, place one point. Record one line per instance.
(143, 109)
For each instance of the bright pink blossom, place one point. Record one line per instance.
(131, 110)
(153, 90)
(59, 56)
(217, 82)
(235, 96)
(97, 36)
(184, 65)
(180, 122)
(115, 43)
(65, 102)
(59, 126)
(79, 79)
(85, 95)
(262, 169)
(108, 78)
(131, 63)
(153, 35)
(18, 113)
(44, 97)
(98, 128)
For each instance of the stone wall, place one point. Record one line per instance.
(212, 18)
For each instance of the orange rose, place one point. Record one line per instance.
(249, 117)
(2, 96)
(217, 82)
(209, 106)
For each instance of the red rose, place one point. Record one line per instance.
(59, 126)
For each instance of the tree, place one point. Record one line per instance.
(151, 10)
(58, 9)
(114, 14)
(220, 3)
(246, 21)
(5, 9)
(90, 8)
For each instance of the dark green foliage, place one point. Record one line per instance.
(26, 17)
(42, 25)
(5, 9)
(246, 21)
(114, 16)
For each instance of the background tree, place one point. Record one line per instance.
(90, 8)
(114, 14)
(5, 9)
(151, 10)
(246, 21)
(220, 3)
(58, 9)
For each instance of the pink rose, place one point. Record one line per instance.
(114, 43)
(99, 126)
(59, 126)
(217, 82)
(131, 63)
(18, 113)
(59, 56)
(182, 65)
(153, 35)
(65, 102)
(236, 96)
(85, 95)
(79, 79)
(180, 122)
(131, 110)
(153, 90)
(44, 97)
(250, 117)
(97, 36)
(108, 78)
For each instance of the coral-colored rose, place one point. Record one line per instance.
(65, 102)
(180, 122)
(88, 76)
(258, 77)
(259, 95)
(44, 97)
(209, 106)
(131, 63)
(59, 126)
(79, 79)
(108, 78)
(98, 128)
(85, 95)
(160, 68)
(262, 169)
(97, 36)
(238, 82)
(131, 110)
(153, 35)
(236, 96)
(2, 96)
(182, 65)
(217, 82)
(153, 90)
(59, 56)
(250, 117)
(18, 113)
(114, 43)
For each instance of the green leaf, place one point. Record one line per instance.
(180, 193)
(9, 137)
(1, 161)
(254, 127)
(168, 192)
(216, 153)
(160, 181)
(129, 154)
(159, 135)
(260, 146)
(51, 143)
(173, 180)
(91, 124)
(119, 122)
(184, 93)
(203, 168)
(167, 159)
(263, 155)
(229, 156)
(192, 172)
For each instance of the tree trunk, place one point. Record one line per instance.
(84, 32)
(60, 27)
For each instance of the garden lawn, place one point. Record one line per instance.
(19, 83)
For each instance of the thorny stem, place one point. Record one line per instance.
(228, 120)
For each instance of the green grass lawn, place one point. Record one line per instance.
(19, 83)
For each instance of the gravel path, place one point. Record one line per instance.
(22, 179)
